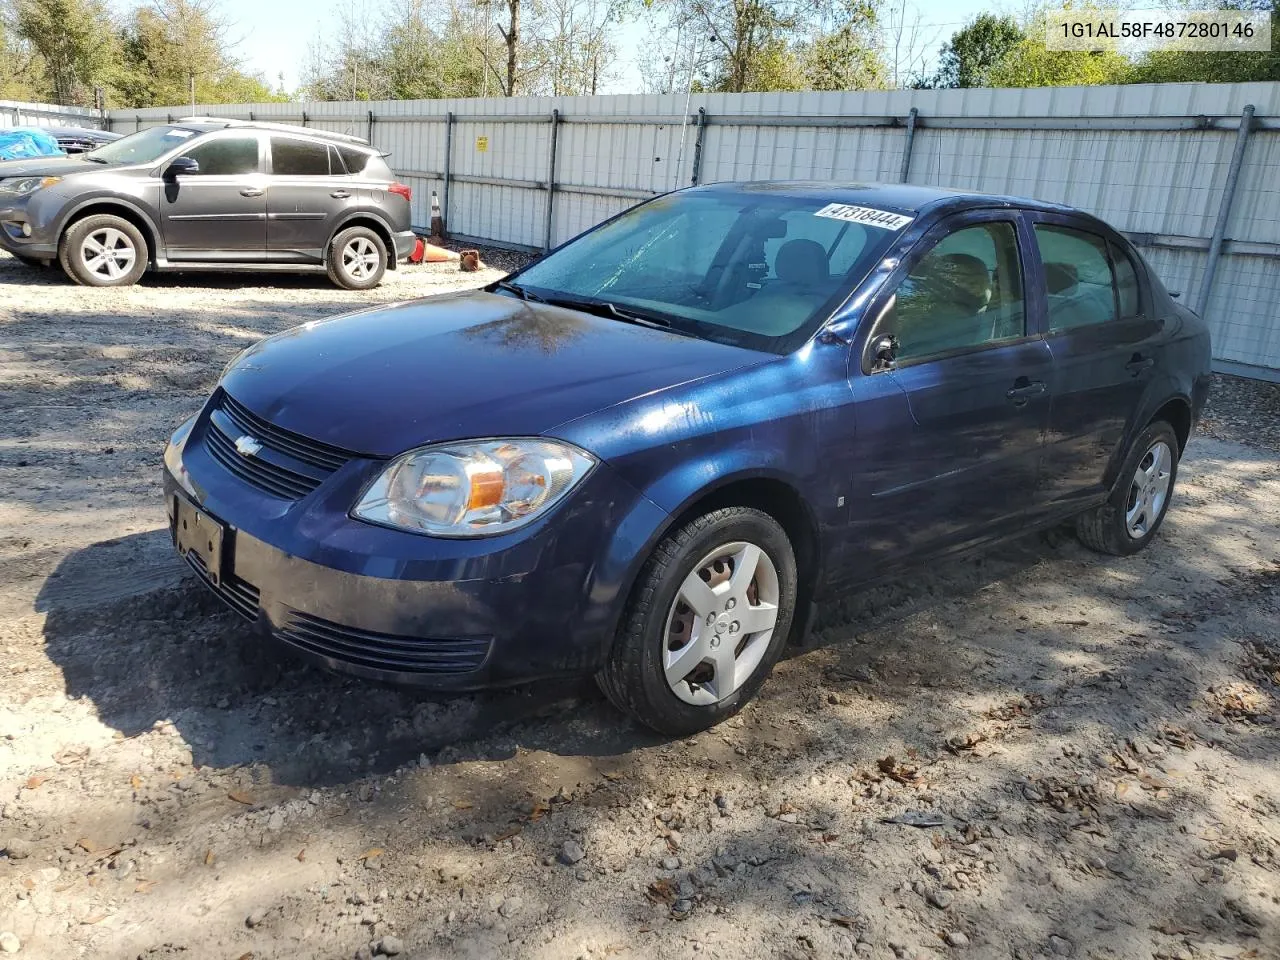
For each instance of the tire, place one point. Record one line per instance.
(103, 250)
(710, 548)
(1123, 525)
(357, 259)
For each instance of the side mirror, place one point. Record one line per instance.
(884, 352)
(179, 166)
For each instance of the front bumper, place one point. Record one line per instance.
(450, 615)
(37, 246)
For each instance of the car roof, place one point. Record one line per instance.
(907, 198)
(205, 124)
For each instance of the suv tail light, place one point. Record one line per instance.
(401, 189)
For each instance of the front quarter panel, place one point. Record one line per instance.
(785, 419)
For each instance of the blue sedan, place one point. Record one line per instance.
(649, 455)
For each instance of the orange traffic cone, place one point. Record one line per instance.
(434, 254)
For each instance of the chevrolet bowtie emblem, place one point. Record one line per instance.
(246, 446)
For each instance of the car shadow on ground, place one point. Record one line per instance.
(967, 690)
(176, 654)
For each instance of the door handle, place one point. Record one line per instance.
(1023, 390)
(1139, 363)
(340, 195)
(251, 192)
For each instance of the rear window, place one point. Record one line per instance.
(299, 158)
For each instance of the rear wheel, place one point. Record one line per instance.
(1130, 517)
(707, 621)
(357, 259)
(103, 250)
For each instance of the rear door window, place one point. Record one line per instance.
(298, 158)
(226, 156)
(1128, 297)
(1079, 283)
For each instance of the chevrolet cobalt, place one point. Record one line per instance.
(649, 455)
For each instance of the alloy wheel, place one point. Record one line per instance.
(360, 258)
(108, 253)
(1148, 490)
(720, 624)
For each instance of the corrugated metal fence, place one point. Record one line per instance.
(15, 114)
(1155, 161)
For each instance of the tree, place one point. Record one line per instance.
(75, 44)
(1030, 63)
(843, 56)
(510, 10)
(574, 46)
(1216, 66)
(975, 50)
(168, 44)
(773, 44)
(17, 68)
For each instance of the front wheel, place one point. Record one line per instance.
(1130, 517)
(357, 259)
(103, 250)
(707, 621)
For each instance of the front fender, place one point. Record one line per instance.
(73, 210)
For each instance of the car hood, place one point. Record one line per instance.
(473, 365)
(45, 167)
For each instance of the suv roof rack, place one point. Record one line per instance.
(284, 127)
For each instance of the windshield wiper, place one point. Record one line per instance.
(95, 159)
(518, 290)
(605, 308)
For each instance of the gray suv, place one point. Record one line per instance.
(210, 194)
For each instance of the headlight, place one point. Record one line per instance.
(21, 186)
(474, 488)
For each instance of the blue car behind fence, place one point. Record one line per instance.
(650, 454)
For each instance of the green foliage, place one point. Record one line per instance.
(167, 44)
(1216, 66)
(65, 49)
(975, 50)
(736, 46)
(1031, 63)
(17, 74)
(74, 43)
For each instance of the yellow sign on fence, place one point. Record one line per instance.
(482, 144)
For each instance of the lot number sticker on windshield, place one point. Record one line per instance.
(865, 215)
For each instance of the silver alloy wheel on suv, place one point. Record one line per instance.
(108, 253)
(357, 258)
(103, 250)
(360, 258)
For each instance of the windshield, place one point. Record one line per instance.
(754, 269)
(143, 146)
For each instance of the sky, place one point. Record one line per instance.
(274, 35)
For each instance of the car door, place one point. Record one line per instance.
(219, 212)
(1103, 339)
(951, 421)
(308, 193)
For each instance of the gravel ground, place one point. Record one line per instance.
(1246, 411)
(1038, 753)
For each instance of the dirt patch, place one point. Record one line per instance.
(1040, 752)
